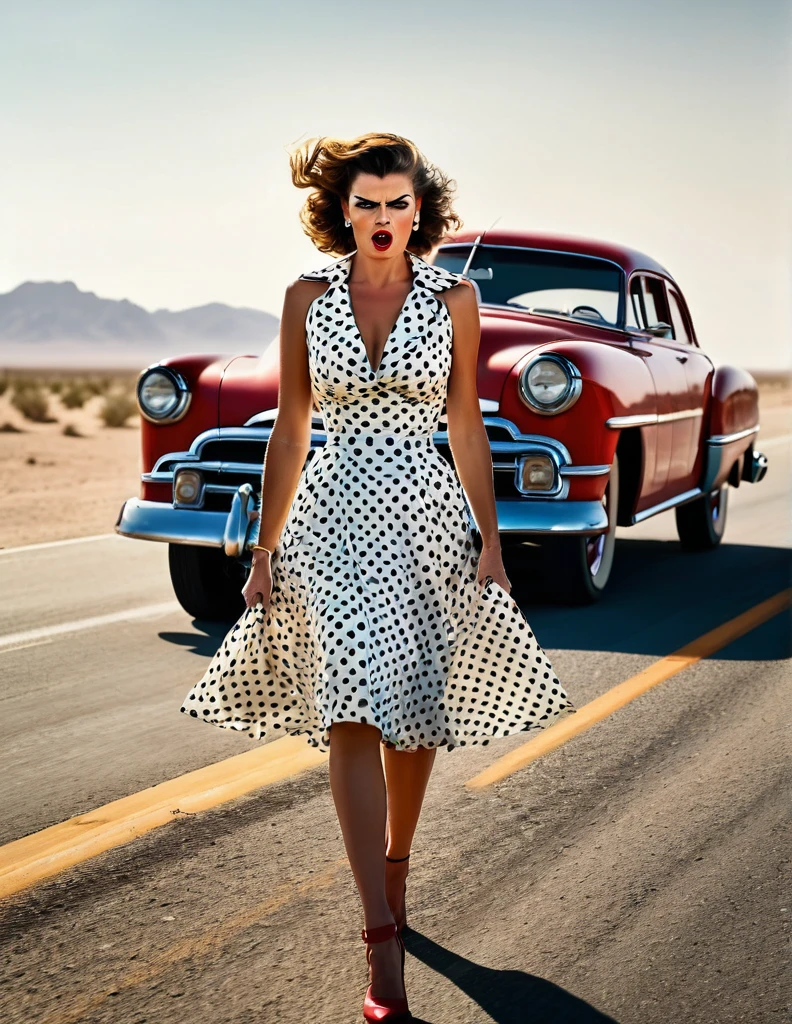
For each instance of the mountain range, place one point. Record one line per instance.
(40, 312)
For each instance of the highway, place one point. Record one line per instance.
(638, 872)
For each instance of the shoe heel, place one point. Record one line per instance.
(382, 1010)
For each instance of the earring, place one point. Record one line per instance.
(415, 224)
(347, 223)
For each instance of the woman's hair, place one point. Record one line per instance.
(329, 166)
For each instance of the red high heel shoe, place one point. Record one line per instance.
(380, 1009)
(400, 911)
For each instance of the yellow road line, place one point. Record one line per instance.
(36, 857)
(601, 707)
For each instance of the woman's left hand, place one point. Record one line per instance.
(491, 564)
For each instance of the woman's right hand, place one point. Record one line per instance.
(258, 586)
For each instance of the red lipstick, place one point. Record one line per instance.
(382, 240)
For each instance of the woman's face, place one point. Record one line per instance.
(382, 211)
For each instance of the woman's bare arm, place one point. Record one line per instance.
(290, 439)
(467, 435)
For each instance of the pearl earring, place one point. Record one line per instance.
(415, 224)
(347, 223)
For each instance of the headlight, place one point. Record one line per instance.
(550, 384)
(162, 394)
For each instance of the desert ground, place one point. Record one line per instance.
(54, 486)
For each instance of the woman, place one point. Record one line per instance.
(374, 624)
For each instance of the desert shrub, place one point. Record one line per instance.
(23, 382)
(98, 385)
(33, 403)
(74, 395)
(71, 431)
(3, 385)
(55, 385)
(11, 428)
(118, 407)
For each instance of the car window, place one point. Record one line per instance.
(678, 320)
(548, 283)
(655, 302)
(635, 319)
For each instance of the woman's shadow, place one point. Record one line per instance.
(507, 997)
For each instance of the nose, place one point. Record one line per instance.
(383, 217)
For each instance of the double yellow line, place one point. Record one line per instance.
(34, 858)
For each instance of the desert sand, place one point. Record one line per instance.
(55, 487)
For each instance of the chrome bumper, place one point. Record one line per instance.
(154, 520)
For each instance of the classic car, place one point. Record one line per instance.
(600, 406)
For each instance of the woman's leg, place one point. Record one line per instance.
(358, 787)
(407, 776)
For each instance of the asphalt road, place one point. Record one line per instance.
(638, 873)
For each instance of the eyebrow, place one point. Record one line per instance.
(405, 196)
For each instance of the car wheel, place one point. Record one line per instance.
(208, 584)
(701, 523)
(577, 568)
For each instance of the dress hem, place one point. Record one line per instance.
(279, 731)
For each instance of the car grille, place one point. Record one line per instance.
(226, 462)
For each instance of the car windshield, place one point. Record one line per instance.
(582, 288)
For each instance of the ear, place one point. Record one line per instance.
(345, 209)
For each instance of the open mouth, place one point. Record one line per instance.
(382, 240)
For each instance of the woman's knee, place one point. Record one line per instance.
(355, 733)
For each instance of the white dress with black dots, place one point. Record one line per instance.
(376, 614)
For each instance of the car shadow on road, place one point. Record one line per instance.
(507, 996)
(660, 598)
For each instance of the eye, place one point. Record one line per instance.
(364, 205)
(400, 206)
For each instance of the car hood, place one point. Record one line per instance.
(249, 383)
(507, 337)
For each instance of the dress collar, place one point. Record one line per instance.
(425, 276)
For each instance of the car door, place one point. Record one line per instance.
(665, 358)
(698, 372)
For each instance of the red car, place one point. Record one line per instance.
(600, 406)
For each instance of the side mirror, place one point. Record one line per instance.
(661, 330)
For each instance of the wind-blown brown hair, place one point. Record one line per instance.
(329, 166)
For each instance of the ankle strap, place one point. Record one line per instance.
(379, 934)
(396, 860)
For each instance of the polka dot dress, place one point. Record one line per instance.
(376, 614)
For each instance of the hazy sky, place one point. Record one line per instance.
(144, 142)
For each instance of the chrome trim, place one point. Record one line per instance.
(515, 515)
(152, 520)
(267, 414)
(728, 438)
(489, 405)
(637, 420)
(244, 512)
(570, 396)
(680, 414)
(754, 470)
(506, 457)
(663, 506)
(652, 418)
(585, 470)
(182, 391)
